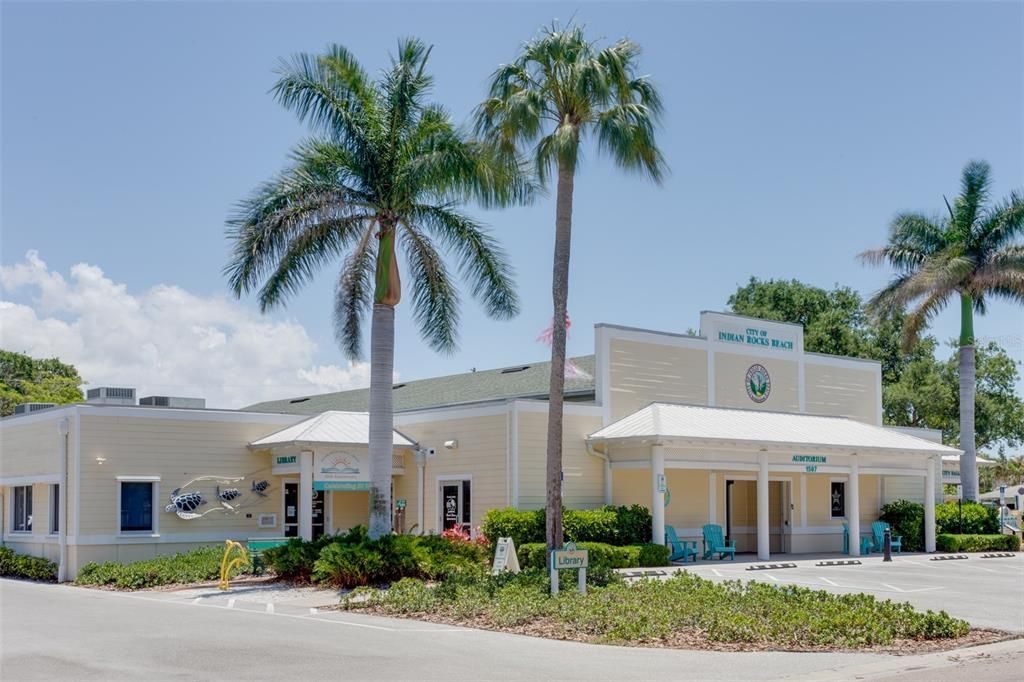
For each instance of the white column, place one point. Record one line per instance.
(929, 507)
(421, 465)
(853, 506)
(306, 494)
(763, 536)
(657, 496)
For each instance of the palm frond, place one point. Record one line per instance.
(1003, 224)
(353, 295)
(919, 317)
(331, 92)
(308, 251)
(435, 301)
(974, 186)
(482, 262)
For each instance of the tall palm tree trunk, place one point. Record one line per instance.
(560, 295)
(382, 363)
(968, 462)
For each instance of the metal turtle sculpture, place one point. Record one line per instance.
(228, 494)
(260, 487)
(185, 504)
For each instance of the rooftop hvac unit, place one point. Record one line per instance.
(173, 401)
(109, 395)
(28, 408)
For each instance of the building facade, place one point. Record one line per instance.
(736, 425)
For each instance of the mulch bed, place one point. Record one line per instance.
(694, 639)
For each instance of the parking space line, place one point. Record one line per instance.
(231, 603)
(715, 571)
(771, 577)
(270, 607)
(892, 587)
(829, 582)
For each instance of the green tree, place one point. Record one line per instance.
(24, 379)
(386, 171)
(974, 254)
(917, 388)
(560, 89)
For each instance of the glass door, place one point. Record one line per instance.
(318, 513)
(455, 505)
(291, 509)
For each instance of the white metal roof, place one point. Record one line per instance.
(334, 428)
(668, 422)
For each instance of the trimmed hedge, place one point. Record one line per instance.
(199, 565)
(977, 519)
(23, 566)
(602, 556)
(609, 524)
(948, 542)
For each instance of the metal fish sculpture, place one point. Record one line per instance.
(260, 487)
(185, 504)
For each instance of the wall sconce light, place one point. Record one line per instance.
(101, 460)
(451, 444)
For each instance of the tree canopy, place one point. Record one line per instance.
(24, 379)
(917, 388)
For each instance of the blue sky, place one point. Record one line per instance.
(794, 132)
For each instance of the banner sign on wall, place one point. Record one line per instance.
(340, 471)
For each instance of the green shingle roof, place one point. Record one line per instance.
(519, 381)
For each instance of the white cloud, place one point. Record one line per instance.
(163, 341)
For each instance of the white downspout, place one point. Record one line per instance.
(591, 450)
(421, 465)
(63, 428)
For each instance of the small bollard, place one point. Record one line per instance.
(887, 545)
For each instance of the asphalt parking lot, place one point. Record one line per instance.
(985, 592)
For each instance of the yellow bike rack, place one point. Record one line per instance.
(227, 566)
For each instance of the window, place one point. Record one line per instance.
(54, 508)
(136, 506)
(837, 490)
(21, 521)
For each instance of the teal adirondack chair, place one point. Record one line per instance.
(681, 549)
(714, 543)
(865, 543)
(878, 531)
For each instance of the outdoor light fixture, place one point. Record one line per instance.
(451, 444)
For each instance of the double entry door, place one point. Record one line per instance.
(291, 511)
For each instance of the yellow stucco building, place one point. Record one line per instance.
(736, 425)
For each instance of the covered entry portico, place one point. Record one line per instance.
(689, 454)
(328, 453)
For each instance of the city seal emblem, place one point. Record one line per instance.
(759, 384)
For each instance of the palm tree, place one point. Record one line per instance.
(385, 171)
(560, 89)
(973, 253)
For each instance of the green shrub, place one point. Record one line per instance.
(948, 542)
(23, 566)
(520, 525)
(352, 559)
(199, 565)
(590, 525)
(968, 518)
(634, 524)
(294, 560)
(609, 524)
(907, 520)
(602, 556)
(656, 610)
